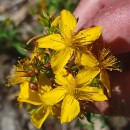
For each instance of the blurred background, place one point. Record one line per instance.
(18, 23)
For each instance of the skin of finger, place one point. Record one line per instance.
(87, 9)
(108, 17)
(115, 21)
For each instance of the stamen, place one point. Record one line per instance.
(107, 61)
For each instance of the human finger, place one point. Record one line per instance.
(115, 21)
(87, 9)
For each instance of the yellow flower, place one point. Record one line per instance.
(18, 74)
(43, 111)
(71, 90)
(25, 69)
(68, 42)
(33, 96)
(28, 95)
(105, 61)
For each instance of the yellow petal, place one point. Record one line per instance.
(56, 21)
(39, 116)
(106, 82)
(64, 79)
(60, 59)
(88, 60)
(85, 76)
(68, 24)
(70, 109)
(89, 35)
(54, 96)
(53, 41)
(91, 93)
(28, 95)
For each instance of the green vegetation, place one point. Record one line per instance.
(10, 38)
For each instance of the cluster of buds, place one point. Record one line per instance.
(64, 70)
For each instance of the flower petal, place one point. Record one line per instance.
(91, 93)
(54, 96)
(88, 60)
(89, 35)
(39, 116)
(60, 59)
(53, 41)
(85, 76)
(70, 109)
(68, 24)
(28, 95)
(64, 79)
(106, 82)
(55, 21)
